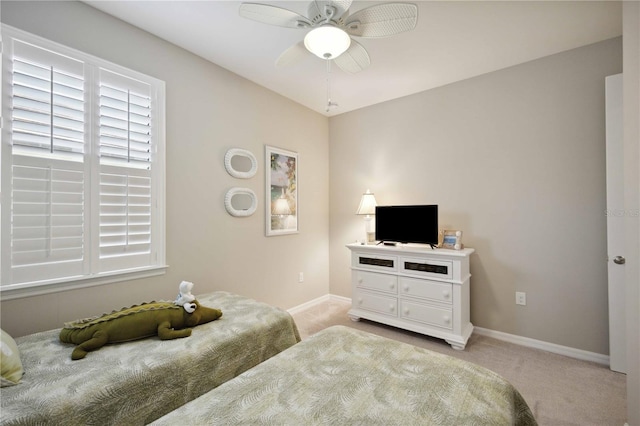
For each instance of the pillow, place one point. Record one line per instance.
(10, 363)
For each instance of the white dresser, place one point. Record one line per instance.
(415, 288)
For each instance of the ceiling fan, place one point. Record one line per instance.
(331, 29)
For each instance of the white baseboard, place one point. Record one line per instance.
(309, 304)
(317, 301)
(511, 338)
(545, 346)
(337, 298)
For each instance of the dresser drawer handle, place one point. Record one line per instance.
(392, 308)
(446, 294)
(360, 280)
(360, 301)
(406, 311)
(392, 286)
(446, 319)
(407, 288)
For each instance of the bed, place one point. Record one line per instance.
(344, 376)
(136, 382)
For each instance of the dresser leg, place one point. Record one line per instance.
(354, 318)
(456, 345)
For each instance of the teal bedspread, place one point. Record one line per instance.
(136, 382)
(342, 376)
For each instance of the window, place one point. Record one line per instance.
(82, 169)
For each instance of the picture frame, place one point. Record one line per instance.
(452, 239)
(281, 191)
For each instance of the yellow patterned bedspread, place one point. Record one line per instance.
(136, 382)
(342, 376)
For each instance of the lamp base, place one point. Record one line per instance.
(371, 238)
(369, 230)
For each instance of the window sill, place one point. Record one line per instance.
(18, 291)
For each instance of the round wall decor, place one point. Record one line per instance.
(240, 163)
(240, 202)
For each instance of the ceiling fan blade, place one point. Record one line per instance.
(382, 20)
(354, 60)
(317, 9)
(292, 55)
(273, 15)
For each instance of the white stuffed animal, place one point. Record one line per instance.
(185, 297)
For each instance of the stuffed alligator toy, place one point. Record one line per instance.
(167, 320)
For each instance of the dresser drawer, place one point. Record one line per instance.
(375, 303)
(433, 268)
(374, 262)
(433, 290)
(373, 281)
(417, 312)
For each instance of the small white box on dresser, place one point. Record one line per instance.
(415, 288)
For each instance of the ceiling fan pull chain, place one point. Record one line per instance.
(328, 85)
(330, 105)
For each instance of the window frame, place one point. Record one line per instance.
(93, 277)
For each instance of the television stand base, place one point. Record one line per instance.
(392, 244)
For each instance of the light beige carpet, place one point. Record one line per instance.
(559, 390)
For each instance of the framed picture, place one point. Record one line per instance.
(452, 240)
(281, 170)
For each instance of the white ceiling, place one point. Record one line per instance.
(453, 40)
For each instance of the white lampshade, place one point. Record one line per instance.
(367, 204)
(327, 42)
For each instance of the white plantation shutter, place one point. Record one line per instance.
(125, 213)
(125, 218)
(125, 171)
(48, 180)
(125, 122)
(47, 229)
(82, 167)
(48, 94)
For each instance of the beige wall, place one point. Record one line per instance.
(209, 110)
(516, 160)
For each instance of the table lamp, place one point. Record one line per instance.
(368, 209)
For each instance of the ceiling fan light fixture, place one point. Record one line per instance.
(327, 42)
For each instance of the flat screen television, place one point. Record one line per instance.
(407, 224)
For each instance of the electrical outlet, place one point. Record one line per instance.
(521, 298)
(300, 277)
